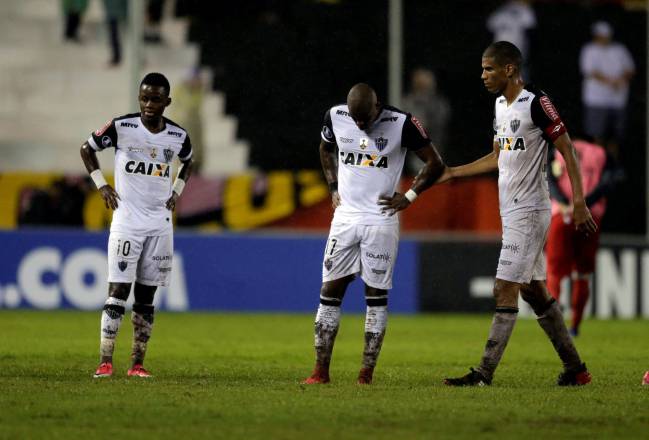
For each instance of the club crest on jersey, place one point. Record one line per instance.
(153, 153)
(363, 160)
(106, 141)
(364, 143)
(147, 169)
(168, 154)
(511, 143)
(514, 124)
(122, 265)
(381, 143)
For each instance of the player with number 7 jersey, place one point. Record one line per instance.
(140, 246)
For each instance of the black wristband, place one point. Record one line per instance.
(333, 186)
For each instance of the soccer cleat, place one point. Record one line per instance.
(319, 375)
(474, 378)
(580, 376)
(365, 376)
(138, 371)
(105, 369)
(645, 379)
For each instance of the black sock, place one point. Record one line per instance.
(551, 321)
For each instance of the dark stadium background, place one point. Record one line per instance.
(307, 60)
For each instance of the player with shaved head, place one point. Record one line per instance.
(525, 123)
(362, 150)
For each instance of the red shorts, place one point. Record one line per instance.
(569, 250)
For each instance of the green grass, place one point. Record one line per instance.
(237, 376)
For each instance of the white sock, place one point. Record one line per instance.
(376, 321)
(327, 321)
(111, 319)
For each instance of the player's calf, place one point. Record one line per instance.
(142, 319)
(111, 320)
(376, 319)
(327, 322)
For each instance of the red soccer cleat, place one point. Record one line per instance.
(105, 369)
(645, 379)
(365, 376)
(319, 375)
(138, 371)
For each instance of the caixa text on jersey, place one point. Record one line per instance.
(147, 168)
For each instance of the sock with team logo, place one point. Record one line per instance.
(111, 319)
(327, 321)
(502, 327)
(376, 320)
(551, 321)
(142, 319)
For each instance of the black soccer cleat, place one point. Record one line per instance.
(577, 377)
(473, 379)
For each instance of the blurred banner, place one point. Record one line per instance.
(278, 199)
(51, 269)
(458, 276)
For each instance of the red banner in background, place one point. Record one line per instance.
(297, 200)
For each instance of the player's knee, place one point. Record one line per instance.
(144, 294)
(335, 290)
(375, 297)
(119, 290)
(506, 293)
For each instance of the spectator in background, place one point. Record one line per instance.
(512, 22)
(607, 67)
(73, 10)
(116, 11)
(188, 102)
(569, 251)
(431, 108)
(154, 10)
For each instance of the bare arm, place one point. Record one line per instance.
(184, 173)
(427, 176)
(583, 220)
(330, 170)
(483, 165)
(107, 192)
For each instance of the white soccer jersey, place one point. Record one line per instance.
(142, 171)
(370, 162)
(523, 131)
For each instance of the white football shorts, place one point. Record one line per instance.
(521, 256)
(146, 260)
(368, 249)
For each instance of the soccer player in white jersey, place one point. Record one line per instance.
(140, 247)
(524, 125)
(362, 150)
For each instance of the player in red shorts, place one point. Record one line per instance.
(569, 251)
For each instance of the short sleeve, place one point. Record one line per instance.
(414, 136)
(105, 137)
(586, 61)
(186, 151)
(327, 133)
(627, 60)
(546, 117)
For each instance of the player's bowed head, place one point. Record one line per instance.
(363, 105)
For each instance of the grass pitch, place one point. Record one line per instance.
(237, 376)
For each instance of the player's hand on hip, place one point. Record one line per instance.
(391, 205)
(110, 196)
(335, 199)
(583, 220)
(171, 203)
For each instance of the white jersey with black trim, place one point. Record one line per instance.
(370, 162)
(523, 131)
(142, 171)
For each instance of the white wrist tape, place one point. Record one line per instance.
(179, 185)
(98, 177)
(411, 195)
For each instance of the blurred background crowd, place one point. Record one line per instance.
(251, 82)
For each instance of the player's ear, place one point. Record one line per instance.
(168, 102)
